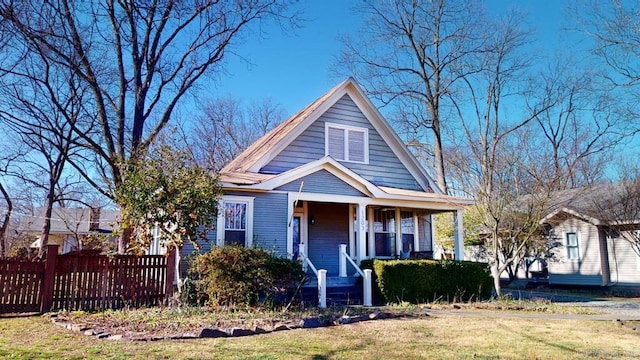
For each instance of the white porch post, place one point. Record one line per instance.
(342, 249)
(361, 230)
(322, 288)
(458, 234)
(398, 232)
(367, 298)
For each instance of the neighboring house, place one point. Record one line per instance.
(70, 227)
(334, 173)
(589, 251)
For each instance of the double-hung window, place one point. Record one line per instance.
(347, 143)
(573, 252)
(235, 221)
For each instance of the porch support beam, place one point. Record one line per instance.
(398, 232)
(361, 231)
(458, 234)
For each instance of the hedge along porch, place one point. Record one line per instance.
(334, 173)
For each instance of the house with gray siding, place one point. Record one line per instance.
(594, 248)
(334, 173)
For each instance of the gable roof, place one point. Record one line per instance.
(244, 169)
(592, 203)
(69, 221)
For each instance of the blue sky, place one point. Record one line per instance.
(294, 69)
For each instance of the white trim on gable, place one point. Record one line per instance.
(589, 219)
(326, 163)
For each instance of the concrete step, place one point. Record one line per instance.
(332, 281)
(336, 295)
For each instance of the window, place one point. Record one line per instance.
(384, 228)
(573, 252)
(407, 225)
(347, 143)
(235, 221)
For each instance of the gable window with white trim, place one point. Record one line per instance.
(573, 252)
(347, 143)
(235, 221)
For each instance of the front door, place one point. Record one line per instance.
(299, 233)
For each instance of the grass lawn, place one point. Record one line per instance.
(432, 337)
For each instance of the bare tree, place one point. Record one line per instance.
(226, 129)
(413, 54)
(487, 157)
(613, 25)
(582, 128)
(136, 60)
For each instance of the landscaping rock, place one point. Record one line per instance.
(212, 333)
(115, 337)
(259, 330)
(237, 332)
(311, 323)
(89, 332)
(78, 328)
(281, 328)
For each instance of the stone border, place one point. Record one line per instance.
(305, 323)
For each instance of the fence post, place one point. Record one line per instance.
(343, 260)
(49, 278)
(171, 273)
(366, 284)
(322, 288)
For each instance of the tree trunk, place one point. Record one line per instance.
(495, 272)
(5, 224)
(46, 227)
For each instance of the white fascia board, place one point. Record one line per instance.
(392, 139)
(409, 204)
(294, 133)
(326, 163)
(589, 219)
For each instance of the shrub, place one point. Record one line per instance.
(234, 275)
(418, 281)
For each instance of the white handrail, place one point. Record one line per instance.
(366, 275)
(343, 265)
(355, 265)
(308, 262)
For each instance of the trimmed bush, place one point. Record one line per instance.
(419, 281)
(234, 275)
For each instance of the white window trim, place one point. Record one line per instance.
(347, 129)
(566, 245)
(220, 221)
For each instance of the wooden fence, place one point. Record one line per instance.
(85, 282)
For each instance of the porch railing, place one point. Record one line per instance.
(366, 274)
(321, 275)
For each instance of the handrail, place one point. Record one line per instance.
(353, 263)
(310, 264)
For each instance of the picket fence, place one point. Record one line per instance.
(85, 281)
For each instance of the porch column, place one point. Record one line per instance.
(361, 231)
(458, 235)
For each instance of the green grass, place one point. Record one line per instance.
(443, 337)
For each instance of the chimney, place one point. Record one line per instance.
(94, 219)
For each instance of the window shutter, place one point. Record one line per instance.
(336, 143)
(356, 146)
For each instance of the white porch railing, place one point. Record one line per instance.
(322, 279)
(366, 274)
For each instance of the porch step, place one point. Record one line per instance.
(332, 281)
(340, 291)
(337, 295)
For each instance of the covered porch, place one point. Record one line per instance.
(369, 227)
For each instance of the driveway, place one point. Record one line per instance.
(609, 308)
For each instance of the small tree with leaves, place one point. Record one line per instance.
(167, 190)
